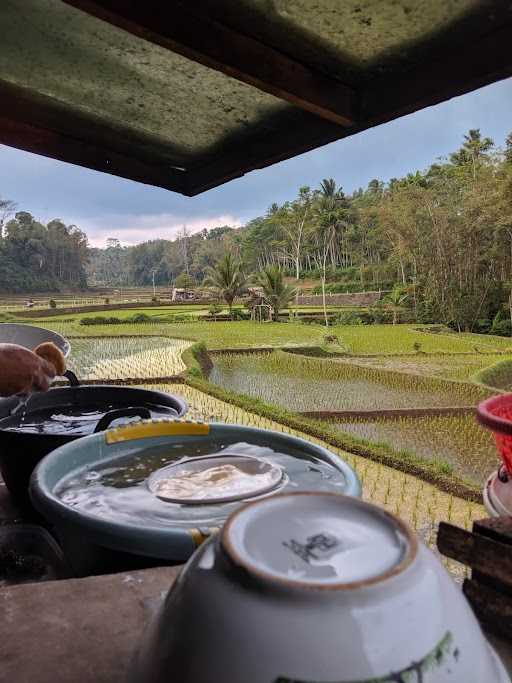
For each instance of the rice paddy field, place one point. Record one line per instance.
(119, 358)
(457, 440)
(354, 339)
(460, 367)
(303, 384)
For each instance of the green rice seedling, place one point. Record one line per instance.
(305, 384)
(360, 339)
(457, 443)
(121, 358)
(460, 367)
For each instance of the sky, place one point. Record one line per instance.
(105, 206)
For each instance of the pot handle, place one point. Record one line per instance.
(153, 428)
(112, 415)
(73, 379)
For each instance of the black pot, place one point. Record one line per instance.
(20, 451)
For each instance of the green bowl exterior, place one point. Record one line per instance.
(172, 543)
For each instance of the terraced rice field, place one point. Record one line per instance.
(419, 504)
(120, 358)
(459, 441)
(460, 367)
(308, 384)
(355, 339)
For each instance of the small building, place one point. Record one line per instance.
(181, 294)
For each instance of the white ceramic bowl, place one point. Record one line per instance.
(315, 587)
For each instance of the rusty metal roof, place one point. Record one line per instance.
(188, 95)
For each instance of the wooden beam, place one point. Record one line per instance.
(484, 555)
(452, 73)
(448, 74)
(42, 125)
(262, 152)
(177, 27)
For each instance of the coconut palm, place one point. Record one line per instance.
(276, 292)
(227, 279)
(330, 204)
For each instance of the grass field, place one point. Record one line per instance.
(165, 313)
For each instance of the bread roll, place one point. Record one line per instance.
(53, 355)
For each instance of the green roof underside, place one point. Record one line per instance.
(189, 95)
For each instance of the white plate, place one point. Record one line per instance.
(261, 476)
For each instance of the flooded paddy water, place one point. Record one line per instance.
(308, 384)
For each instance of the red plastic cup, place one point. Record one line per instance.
(496, 414)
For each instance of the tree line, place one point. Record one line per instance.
(441, 239)
(39, 257)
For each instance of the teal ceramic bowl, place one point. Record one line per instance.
(75, 488)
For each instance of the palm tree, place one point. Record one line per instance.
(276, 292)
(474, 150)
(395, 300)
(227, 278)
(330, 202)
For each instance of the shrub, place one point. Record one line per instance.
(52, 303)
(498, 375)
(101, 320)
(349, 318)
(139, 318)
(185, 281)
(503, 328)
(238, 314)
(482, 326)
(214, 310)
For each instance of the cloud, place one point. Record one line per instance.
(133, 229)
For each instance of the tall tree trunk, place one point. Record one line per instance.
(324, 268)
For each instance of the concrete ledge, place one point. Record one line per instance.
(86, 630)
(79, 630)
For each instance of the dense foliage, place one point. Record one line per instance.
(39, 257)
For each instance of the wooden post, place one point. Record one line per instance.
(488, 551)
